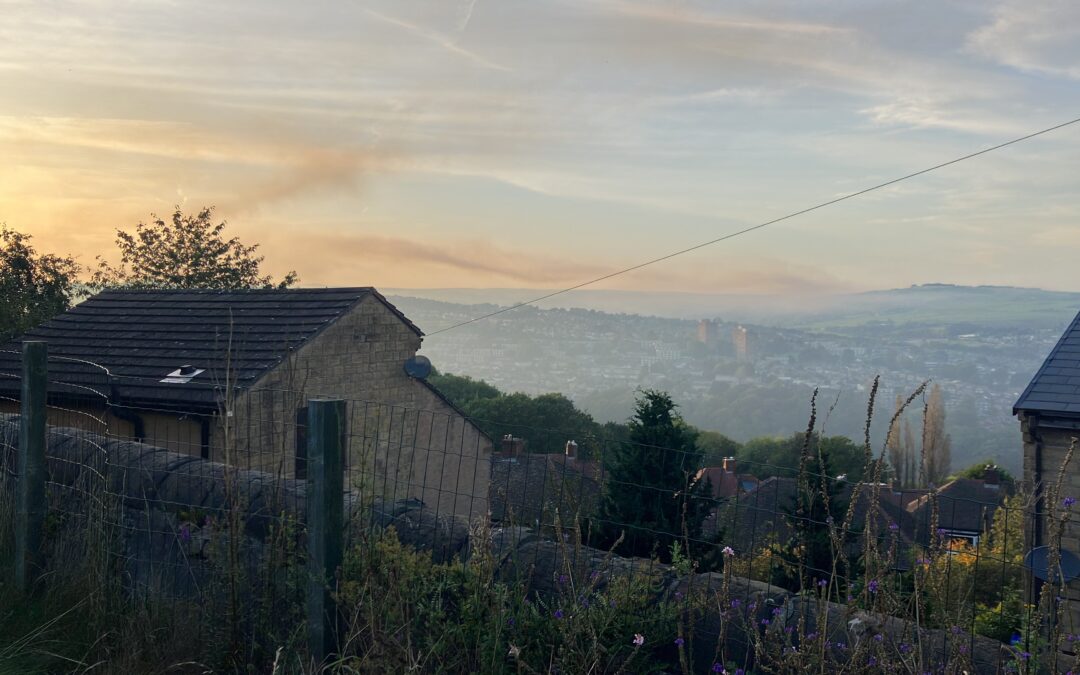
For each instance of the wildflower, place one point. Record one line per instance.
(558, 614)
(562, 578)
(905, 648)
(735, 603)
(185, 533)
(871, 661)
(1024, 656)
(764, 622)
(740, 671)
(678, 595)
(639, 639)
(872, 586)
(1068, 501)
(841, 646)
(728, 551)
(811, 636)
(717, 668)
(894, 527)
(941, 532)
(679, 642)
(879, 638)
(514, 652)
(1015, 639)
(776, 611)
(822, 583)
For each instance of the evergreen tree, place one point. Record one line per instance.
(807, 556)
(650, 484)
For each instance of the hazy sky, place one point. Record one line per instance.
(510, 143)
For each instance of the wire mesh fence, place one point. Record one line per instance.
(203, 500)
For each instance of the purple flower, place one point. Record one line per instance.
(558, 614)
(894, 527)
(872, 586)
(905, 648)
(678, 595)
(717, 668)
(728, 551)
(955, 630)
(740, 671)
(822, 583)
(871, 661)
(1068, 501)
(639, 639)
(764, 622)
(562, 578)
(735, 603)
(879, 637)
(185, 533)
(679, 642)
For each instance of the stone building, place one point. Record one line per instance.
(1049, 415)
(225, 375)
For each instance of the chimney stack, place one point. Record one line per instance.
(512, 446)
(728, 465)
(571, 449)
(991, 476)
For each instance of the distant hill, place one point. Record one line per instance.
(926, 304)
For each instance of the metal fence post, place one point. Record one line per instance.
(325, 520)
(30, 493)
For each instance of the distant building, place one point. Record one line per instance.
(706, 332)
(740, 338)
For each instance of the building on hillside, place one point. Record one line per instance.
(226, 375)
(724, 484)
(532, 488)
(1049, 415)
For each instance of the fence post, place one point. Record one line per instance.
(325, 520)
(30, 494)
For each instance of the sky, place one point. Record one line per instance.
(537, 144)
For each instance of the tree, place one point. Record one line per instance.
(187, 251)
(33, 287)
(650, 487)
(768, 456)
(937, 445)
(900, 446)
(715, 446)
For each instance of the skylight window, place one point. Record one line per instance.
(182, 375)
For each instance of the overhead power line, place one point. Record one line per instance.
(759, 226)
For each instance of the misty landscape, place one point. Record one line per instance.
(981, 344)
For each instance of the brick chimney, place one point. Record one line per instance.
(728, 465)
(512, 446)
(571, 449)
(992, 477)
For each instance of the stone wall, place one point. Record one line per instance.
(1045, 448)
(404, 440)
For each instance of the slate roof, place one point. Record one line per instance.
(527, 488)
(1055, 389)
(122, 343)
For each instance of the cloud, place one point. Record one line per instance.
(440, 40)
(1032, 36)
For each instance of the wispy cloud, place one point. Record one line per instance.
(439, 39)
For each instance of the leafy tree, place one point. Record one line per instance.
(978, 470)
(33, 287)
(546, 421)
(715, 446)
(937, 445)
(768, 456)
(187, 251)
(650, 487)
(462, 389)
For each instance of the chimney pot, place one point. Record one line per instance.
(728, 465)
(571, 449)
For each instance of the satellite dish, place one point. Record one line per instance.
(1037, 560)
(418, 367)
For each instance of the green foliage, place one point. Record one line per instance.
(186, 251)
(715, 446)
(409, 613)
(978, 470)
(34, 286)
(462, 389)
(651, 492)
(768, 456)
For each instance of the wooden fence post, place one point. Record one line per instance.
(30, 492)
(325, 520)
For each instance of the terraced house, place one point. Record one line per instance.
(225, 375)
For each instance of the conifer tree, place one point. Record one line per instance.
(650, 484)
(937, 445)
